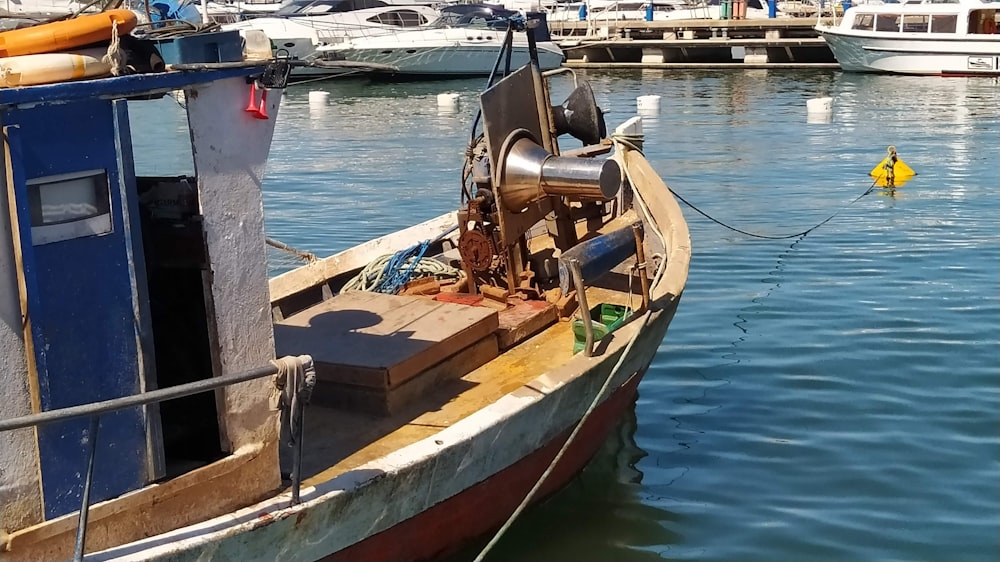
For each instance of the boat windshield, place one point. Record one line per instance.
(319, 7)
(474, 15)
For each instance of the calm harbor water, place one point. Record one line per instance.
(827, 397)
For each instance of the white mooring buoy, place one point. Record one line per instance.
(648, 105)
(318, 97)
(819, 110)
(448, 100)
(819, 105)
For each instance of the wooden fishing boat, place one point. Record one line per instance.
(478, 380)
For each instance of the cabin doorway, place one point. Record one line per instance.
(177, 272)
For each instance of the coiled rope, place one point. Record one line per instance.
(389, 273)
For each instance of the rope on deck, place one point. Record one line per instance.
(391, 272)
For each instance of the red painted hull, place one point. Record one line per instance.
(451, 524)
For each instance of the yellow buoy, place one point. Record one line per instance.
(891, 171)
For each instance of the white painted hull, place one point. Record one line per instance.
(387, 492)
(918, 37)
(298, 38)
(906, 56)
(457, 60)
(454, 51)
(902, 55)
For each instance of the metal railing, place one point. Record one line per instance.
(292, 409)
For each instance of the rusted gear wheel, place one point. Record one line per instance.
(476, 250)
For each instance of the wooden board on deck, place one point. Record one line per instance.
(390, 401)
(380, 341)
(524, 319)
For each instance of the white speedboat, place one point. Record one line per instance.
(301, 26)
(957, 37)
(463, 42)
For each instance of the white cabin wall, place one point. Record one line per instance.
(20, 490)
(229, 161)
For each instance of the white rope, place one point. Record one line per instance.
(370, 277)
(597, 398)
(115, 56)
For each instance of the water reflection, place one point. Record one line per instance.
(593, 517)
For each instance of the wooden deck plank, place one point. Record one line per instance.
(340, 440)
(386, 402)
(523, 320)
(381, 341)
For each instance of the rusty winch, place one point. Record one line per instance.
(520, 179)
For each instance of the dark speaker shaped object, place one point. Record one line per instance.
(580, 117)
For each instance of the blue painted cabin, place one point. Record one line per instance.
(112, 283)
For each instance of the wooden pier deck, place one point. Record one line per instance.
(756, 43)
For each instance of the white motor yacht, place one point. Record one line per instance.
(300, 27)
(463, 42)
(936, 37)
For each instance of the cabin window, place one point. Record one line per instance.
(944, 23)
(69, 206)
(983, 22)
(399, 18)
(864, 22)
(914, 23)
(886, 22)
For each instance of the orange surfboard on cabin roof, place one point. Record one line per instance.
(66, 34)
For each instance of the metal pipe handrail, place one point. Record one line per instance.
(95, 409)
(141, 399)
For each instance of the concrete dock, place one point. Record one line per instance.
(748, 43)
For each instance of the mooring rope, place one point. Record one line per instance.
(634, 142)
(302, 255)
(765, 236)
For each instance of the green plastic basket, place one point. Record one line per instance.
(606, 319)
